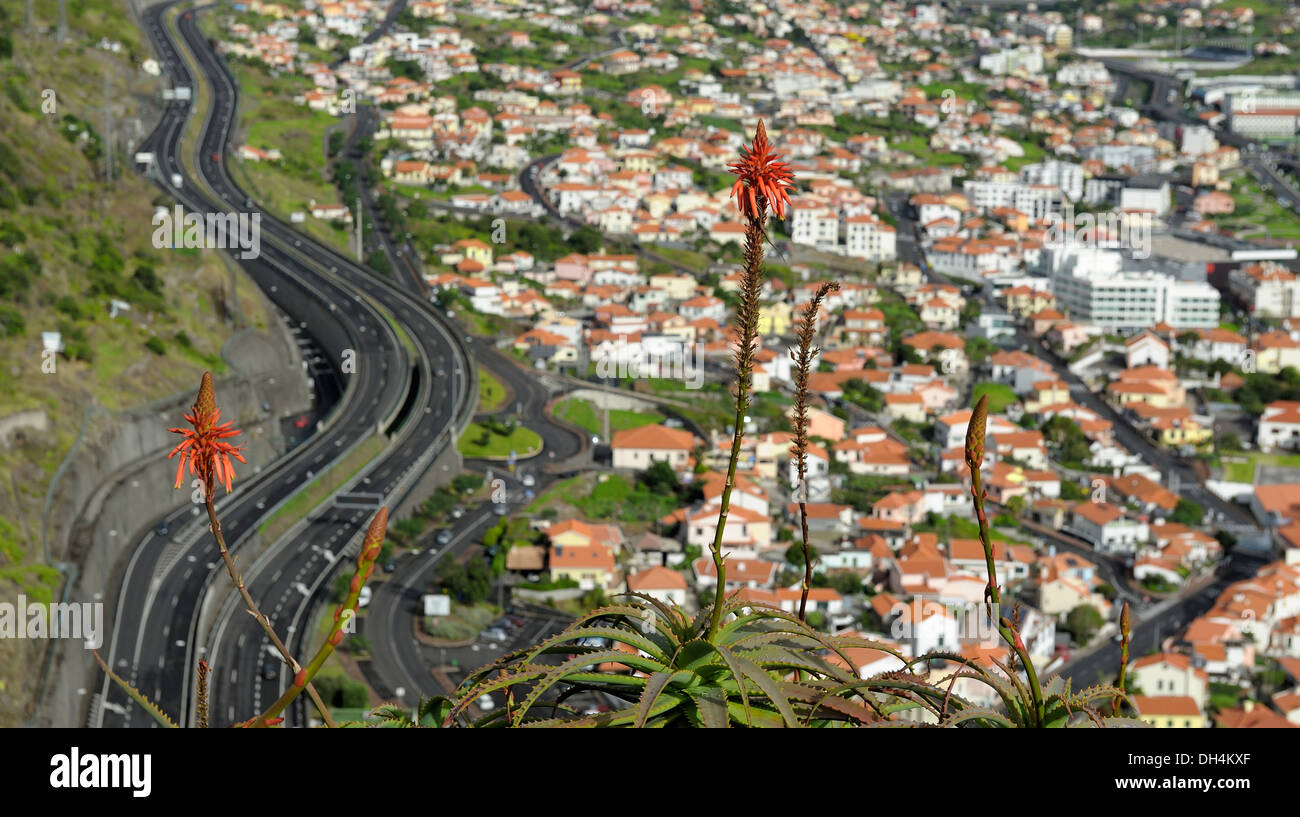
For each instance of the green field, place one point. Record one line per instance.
(583, 413)
(524, 442)
(1000, 396)
(1245, 471)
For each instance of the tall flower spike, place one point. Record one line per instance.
(204, 446)
(763, 179)
(975, 432)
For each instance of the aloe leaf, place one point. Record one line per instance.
(149, 706)
(654, 686)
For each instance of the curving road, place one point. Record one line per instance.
(390, 390)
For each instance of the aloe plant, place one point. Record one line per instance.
(677, 672)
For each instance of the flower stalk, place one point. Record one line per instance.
(803, 356)
(975, 436)
(344, 613)
(762, 182)
(208, 455)
(1125, 631)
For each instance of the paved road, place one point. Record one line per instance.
(156, 616)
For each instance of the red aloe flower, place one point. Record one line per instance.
(761, 175)
(204, 447)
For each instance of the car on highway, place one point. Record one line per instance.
(162, 529)
(485, 703)
(390, 566)
(457, 512)
(495, 634)
(444, 536)
(499, 509)
(528, 480)
(270, 671)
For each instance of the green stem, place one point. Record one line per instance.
(995, 595)
(720, 592)
(261, 618)
(746, 321)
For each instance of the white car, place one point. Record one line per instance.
(528, 480)
(485, 703)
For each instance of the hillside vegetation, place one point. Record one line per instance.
(72, 242)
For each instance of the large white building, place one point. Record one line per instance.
(1268, 289)
(1264, 115)
(814, 224)
(869, 238)
(1065, 175)
(1022, 60)
(865, 236)
(1034, 200)
(1092, 285)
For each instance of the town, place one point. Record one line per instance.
(1089, 221)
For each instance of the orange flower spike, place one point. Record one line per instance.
(204, 448)
(761, 178)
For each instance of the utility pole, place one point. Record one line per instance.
(63, 21)
(108, 131)
(359, 244)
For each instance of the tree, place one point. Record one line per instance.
(978, 349)
(794, 553)
(660, 478)
(1016, 505)
(469, 583)
(586, 240)
(844, 582)
(1187, 512)
(1071, 444)
(1083, 622)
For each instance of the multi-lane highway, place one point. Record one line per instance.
(391, 389)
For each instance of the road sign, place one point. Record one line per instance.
(437, 605)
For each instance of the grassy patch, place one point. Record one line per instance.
(481, 442)
(584, 414)
(490, 391)
(1245, 471)
(617, 498)
(464, 623)
(687, 258)
(320, 488)
(1000, 396)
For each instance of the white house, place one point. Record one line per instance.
(1279, 426)
(1107, 528)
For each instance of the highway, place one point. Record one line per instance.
(398, 670)
(392, 391)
